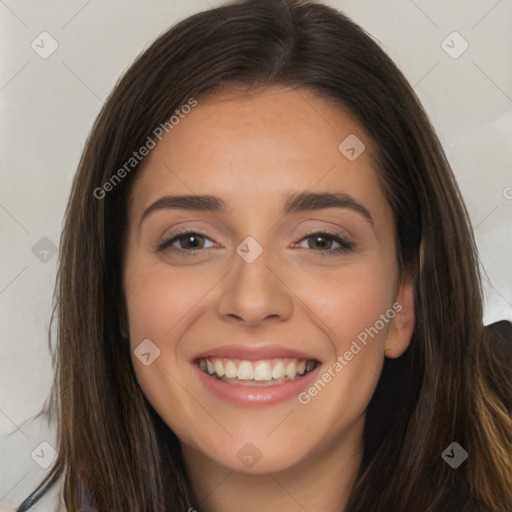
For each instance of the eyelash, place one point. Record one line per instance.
(344, 244)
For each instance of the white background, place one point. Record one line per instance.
(48, 107)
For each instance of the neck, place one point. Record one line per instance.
(322, 481)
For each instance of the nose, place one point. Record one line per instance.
(255, 293)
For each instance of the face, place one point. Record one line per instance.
(259, 316)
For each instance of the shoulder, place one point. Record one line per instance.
(500, 339)
(497, 343)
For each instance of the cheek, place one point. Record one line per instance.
(158, 301)
(161, 305)
(356, 309)
(352, 301)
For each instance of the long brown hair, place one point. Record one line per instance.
(445, 388)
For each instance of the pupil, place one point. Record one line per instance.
(193, 244)
(321, 241)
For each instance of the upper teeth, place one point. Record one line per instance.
(264, 370)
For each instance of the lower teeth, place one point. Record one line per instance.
(242, 382)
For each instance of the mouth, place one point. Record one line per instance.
(251, 375)
(264, 372)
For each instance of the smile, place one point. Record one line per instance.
(265, 372)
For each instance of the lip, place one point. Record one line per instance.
(254, 353)
(254, 396)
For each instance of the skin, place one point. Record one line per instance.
(252, 148)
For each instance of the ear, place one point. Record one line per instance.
(402, 326)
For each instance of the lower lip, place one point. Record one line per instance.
(255, 395)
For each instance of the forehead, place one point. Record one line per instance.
(244, 143)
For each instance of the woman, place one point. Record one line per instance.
(269, 295)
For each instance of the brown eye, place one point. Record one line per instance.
(189, 241)
(320, 241)
(323, 243)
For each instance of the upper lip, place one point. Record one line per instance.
(254, 352)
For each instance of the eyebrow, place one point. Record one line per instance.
(296, 202)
